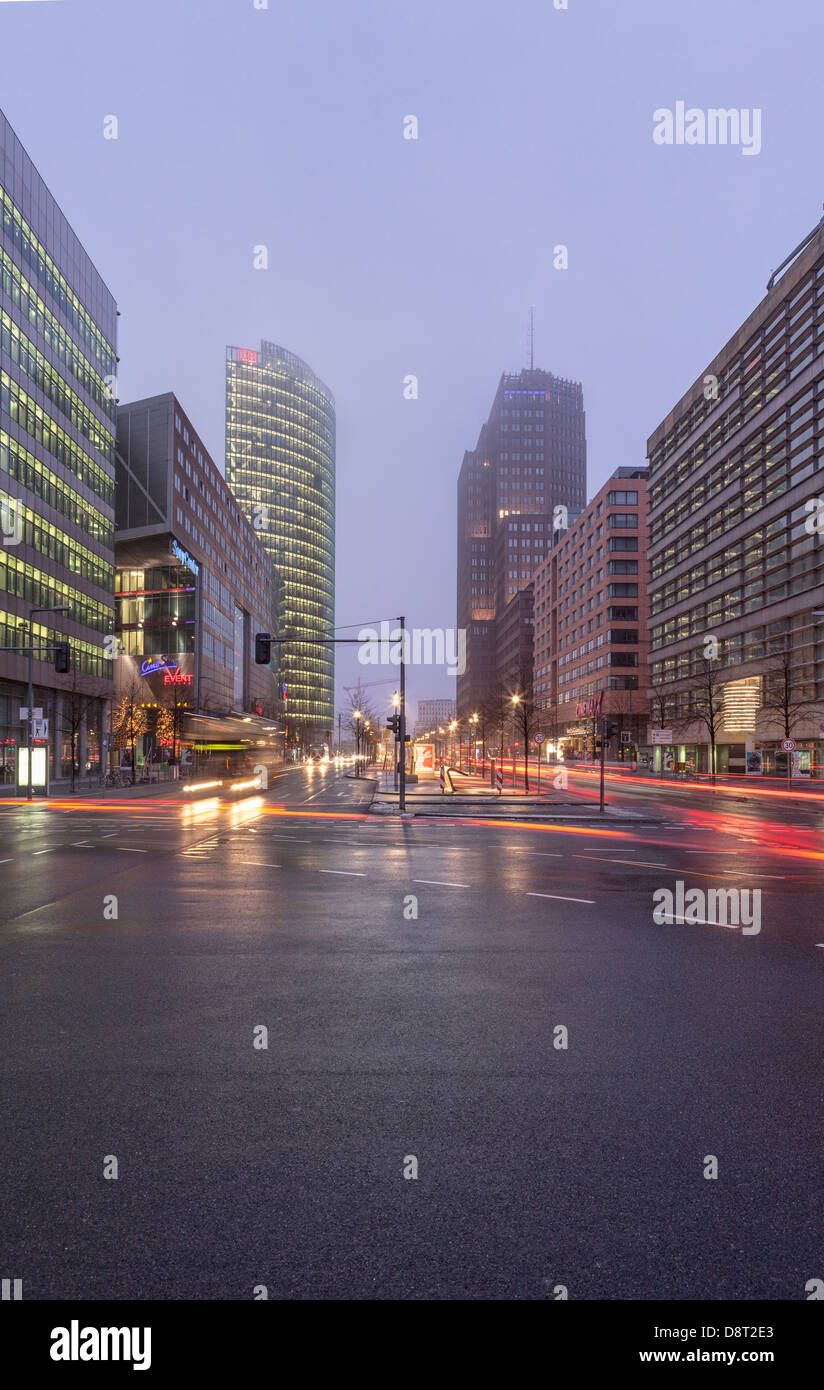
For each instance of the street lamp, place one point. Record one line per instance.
(473, 719)
(516, 700)
(357, 716)
(61, 608)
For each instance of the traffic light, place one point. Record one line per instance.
(263, 649)
(394, 724)
(611, 728)
(62, 658)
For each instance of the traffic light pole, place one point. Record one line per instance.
(402, 725)
(603, 750)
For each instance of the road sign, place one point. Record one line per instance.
(40, 728)
(499, 780)
(443, 778)
(821, 728)
(661, 735)
(37, 712)
(788, 744)
(626, 736)
(539, 738)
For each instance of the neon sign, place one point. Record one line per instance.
(174, 676)
(152, 664)
(247, 355)
(185, 558)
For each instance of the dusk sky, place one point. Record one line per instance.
(284, 127)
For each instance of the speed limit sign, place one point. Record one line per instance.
(788, 744)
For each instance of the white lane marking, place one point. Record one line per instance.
(439, 883)
(543, 854)
(559, 899)
(701, 921)
(745, 873)
(820, 944)
(6, 861)
(294, 838)
(636, 863)
(126, 849)
(45, 851)
(347, 872)
(82, 844)
(110, 836)
(258, 863)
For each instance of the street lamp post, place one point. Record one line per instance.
(61, 608)
(516, 699)
(357, 715)
(473, 734)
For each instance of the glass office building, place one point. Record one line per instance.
(280, 464)
(57, 442)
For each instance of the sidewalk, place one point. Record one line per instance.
(60, 791)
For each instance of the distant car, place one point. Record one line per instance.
(316, 757)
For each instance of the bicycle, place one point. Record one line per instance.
(115, 779)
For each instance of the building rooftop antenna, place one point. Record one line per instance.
(532, 337)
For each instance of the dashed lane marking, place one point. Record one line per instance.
(558, 898)
(438, 883)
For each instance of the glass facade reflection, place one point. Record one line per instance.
(280, 464)
(58, 326)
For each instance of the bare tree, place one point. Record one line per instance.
(75, 707)
(359, 701)
(659, 704)
(526, 722)
(708, 706)
(498, 709)
(788, 708)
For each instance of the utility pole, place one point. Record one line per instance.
(603, 750)
(402, 725)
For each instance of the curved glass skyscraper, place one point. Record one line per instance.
(280, 464)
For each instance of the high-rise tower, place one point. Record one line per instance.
(280, 464)
(530, 458)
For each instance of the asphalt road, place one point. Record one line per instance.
(394, 1036)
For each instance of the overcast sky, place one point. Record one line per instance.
(284, 127)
